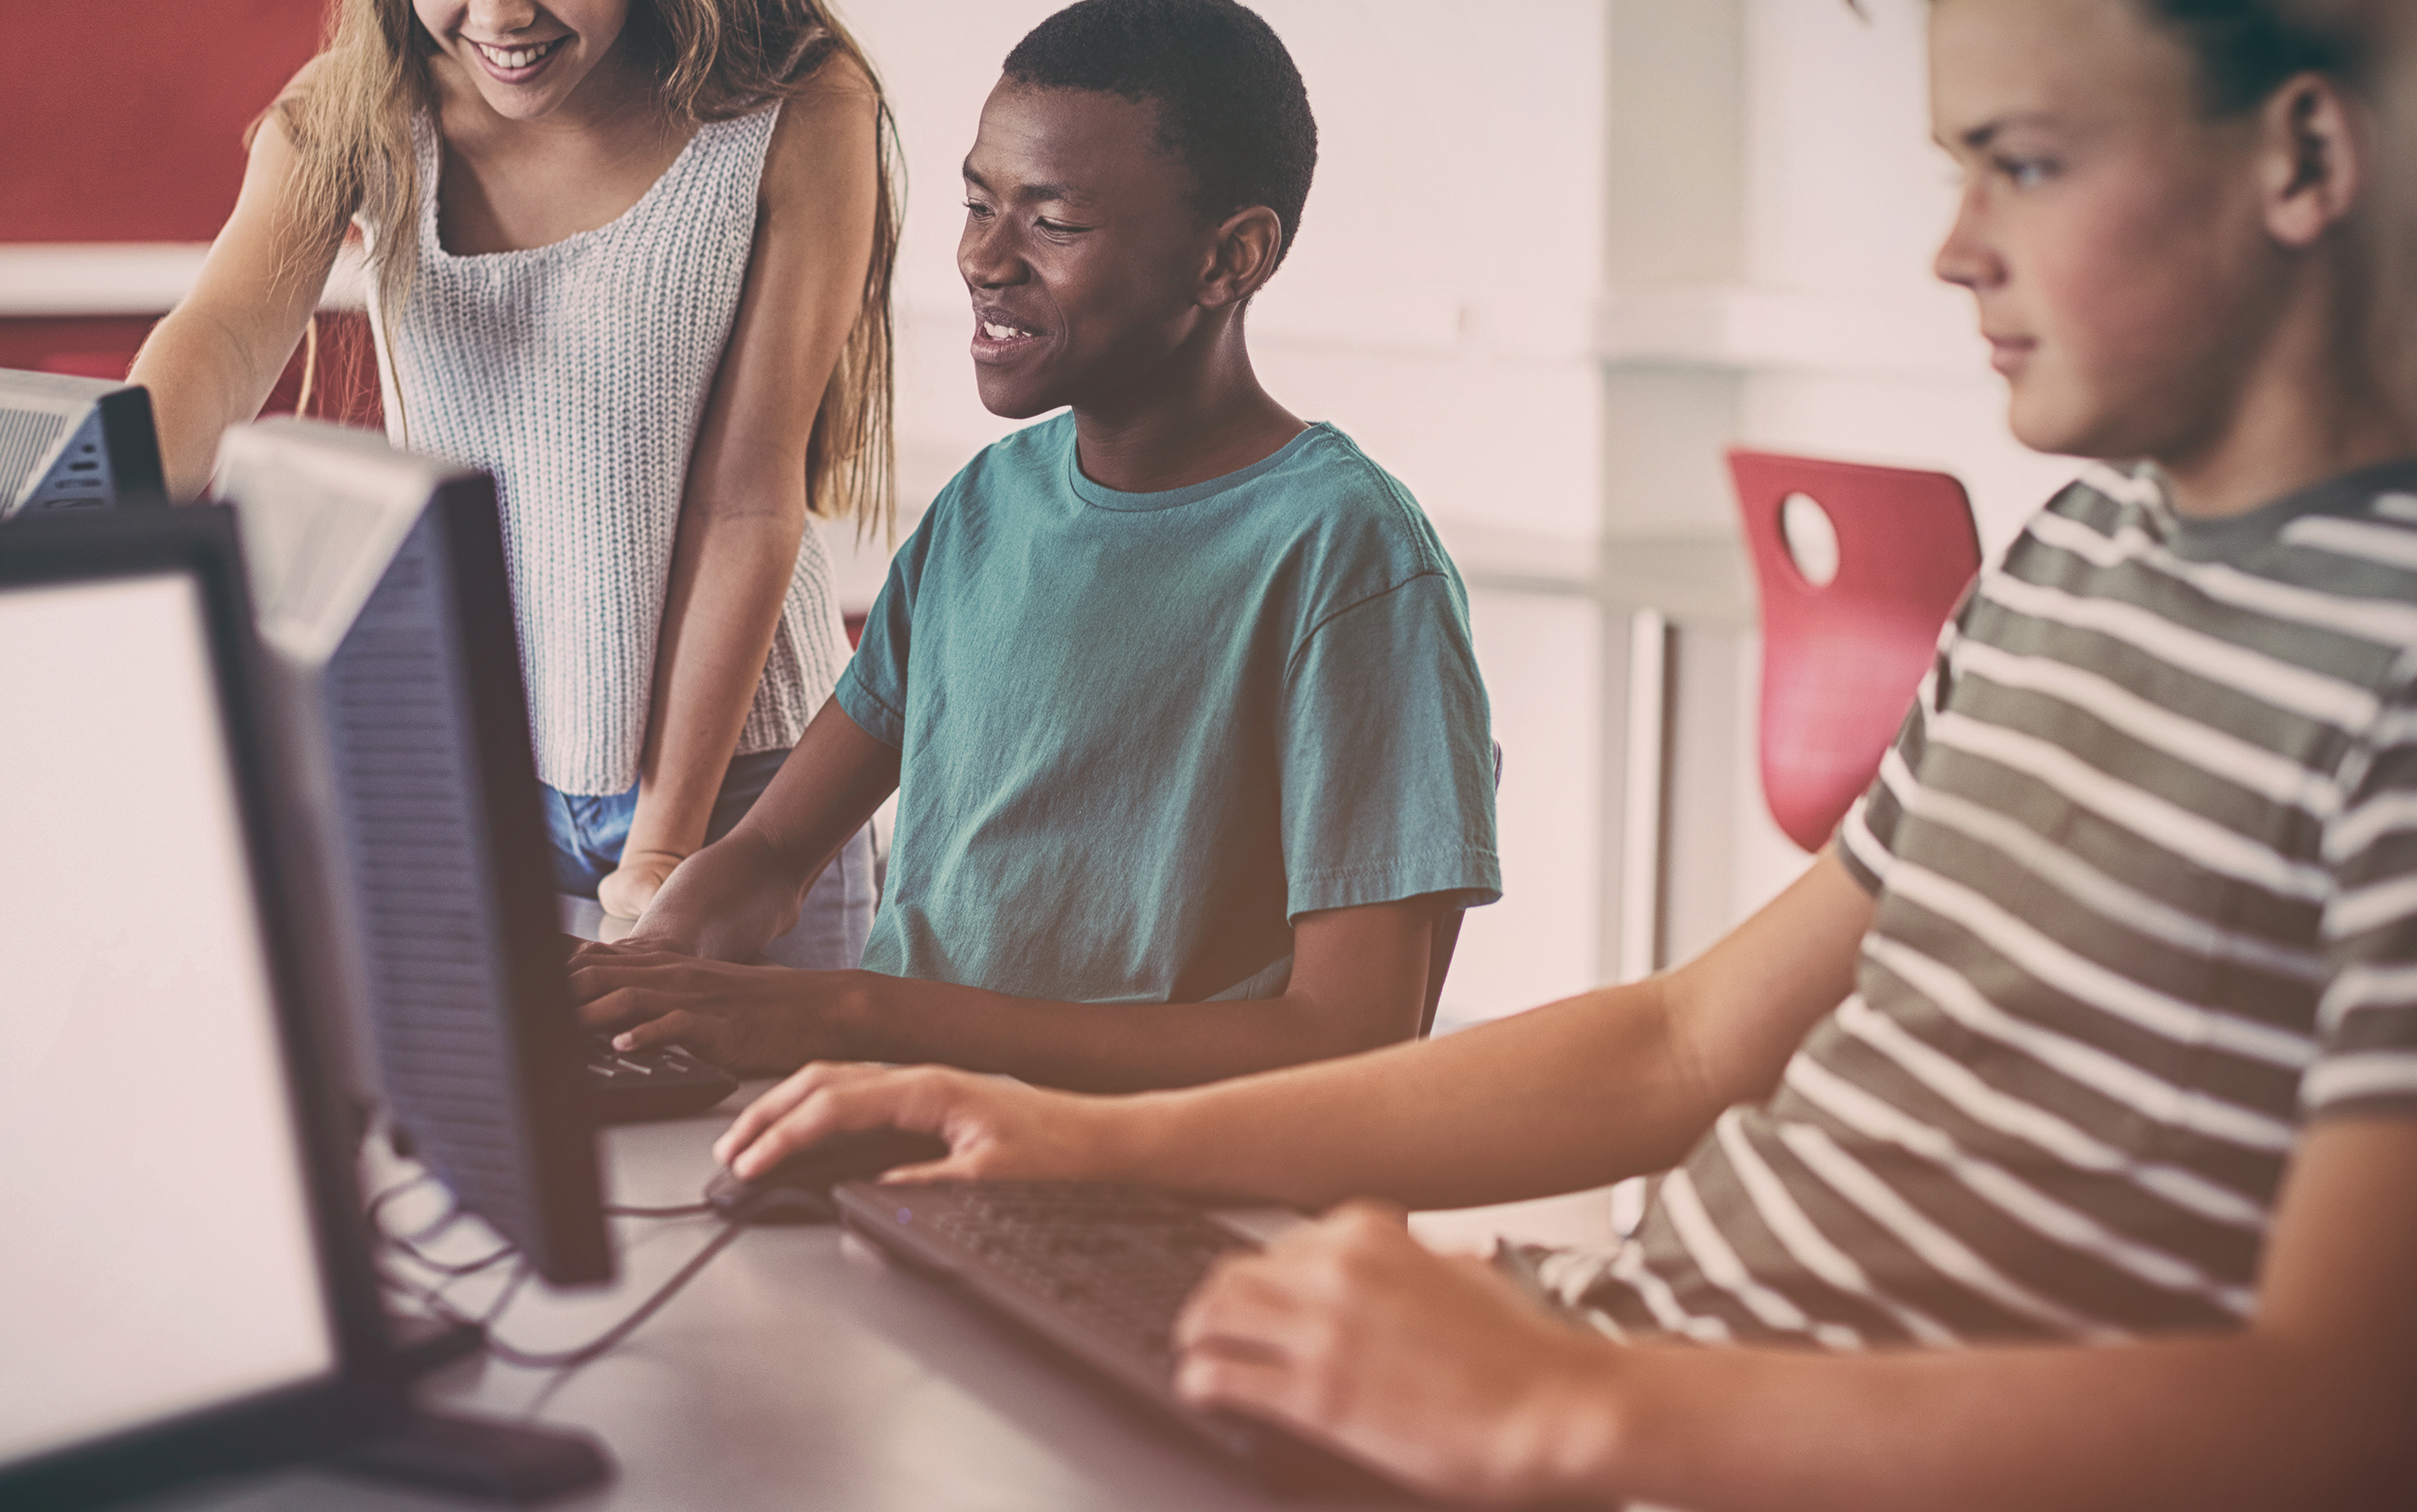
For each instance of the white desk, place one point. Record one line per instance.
(799, 1371)
(794, 1371)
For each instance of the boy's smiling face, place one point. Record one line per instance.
(1082, 250)
(2110, 231)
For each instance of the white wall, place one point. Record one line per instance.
(1846, 199)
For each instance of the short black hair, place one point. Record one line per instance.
(1231, 105)
(2247, 49)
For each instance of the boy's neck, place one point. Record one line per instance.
(1200, 415)
(2312, 409)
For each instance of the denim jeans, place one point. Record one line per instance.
(588, 832)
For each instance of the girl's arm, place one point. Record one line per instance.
(213, 360)
(745, 509)
(1444, 1376)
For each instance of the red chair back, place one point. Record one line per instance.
(1841, 659)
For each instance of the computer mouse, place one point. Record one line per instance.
(798, 1190)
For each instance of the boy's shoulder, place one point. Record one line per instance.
(1332, 495)
(1318, 493)
(2325, 577)
(2367, 516)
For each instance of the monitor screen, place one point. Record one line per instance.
(160, 1259)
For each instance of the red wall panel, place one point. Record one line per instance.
(344, 389)
(123, 120)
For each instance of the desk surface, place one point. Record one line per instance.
(798, 1370)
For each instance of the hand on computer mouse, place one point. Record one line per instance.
(746, 1018)
(995, 1126)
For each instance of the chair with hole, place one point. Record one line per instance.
(1857, 567)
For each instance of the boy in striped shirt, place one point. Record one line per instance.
(2054, 1141)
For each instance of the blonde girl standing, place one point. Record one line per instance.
(633, 257)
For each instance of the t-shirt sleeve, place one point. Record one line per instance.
(1867, 837)
(1388, 757)
(2367, 1016)
(873, 689)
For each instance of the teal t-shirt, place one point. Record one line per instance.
(1140, 733)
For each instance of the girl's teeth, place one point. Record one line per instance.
(516, 58)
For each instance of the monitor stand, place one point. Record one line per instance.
(518, 1463)
(422, 1344)
(483, 1459)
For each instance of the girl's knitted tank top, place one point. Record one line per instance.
(578, 373)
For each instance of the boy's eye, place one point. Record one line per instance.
(977, 209)
(2025, 172)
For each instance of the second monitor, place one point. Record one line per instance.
(379, 583)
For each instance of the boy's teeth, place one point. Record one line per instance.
(999, 332)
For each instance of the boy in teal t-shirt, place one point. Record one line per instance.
(1176, 691)
(1197, 713)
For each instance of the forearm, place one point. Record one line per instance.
(730, 572)
(1612, 1083)
(202, 378)
(726, 902)
(1088, 1046)
(2243, 1422)
(731, 898)
(1569, 1095)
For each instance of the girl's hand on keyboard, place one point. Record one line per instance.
(1436, 1371)
(996, 1127)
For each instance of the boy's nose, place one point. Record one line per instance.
(984, 262)
(1966, 257)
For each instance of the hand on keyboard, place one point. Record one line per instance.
(749, 1018)
(994, 1127)
(1435, 1368)
(666, 1081)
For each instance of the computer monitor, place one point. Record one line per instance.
(75, 444)
(379, 584)
(184, 1286)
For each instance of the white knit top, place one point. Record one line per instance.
(577, 374)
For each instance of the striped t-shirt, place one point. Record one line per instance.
(2145, 863)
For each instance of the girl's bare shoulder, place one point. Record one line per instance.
(824, 137)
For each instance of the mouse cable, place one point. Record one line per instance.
(684, 1210)
(566, 1359)
(374, 1210)
(408, 1245)
(446, 1267)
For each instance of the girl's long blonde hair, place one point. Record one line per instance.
(350, 114)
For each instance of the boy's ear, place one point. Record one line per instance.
(2315, 160)
(1243, 257)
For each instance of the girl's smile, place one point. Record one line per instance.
(518, 62)
(523, 59)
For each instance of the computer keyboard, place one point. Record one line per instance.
(1099, 1271)
(662, 1082)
